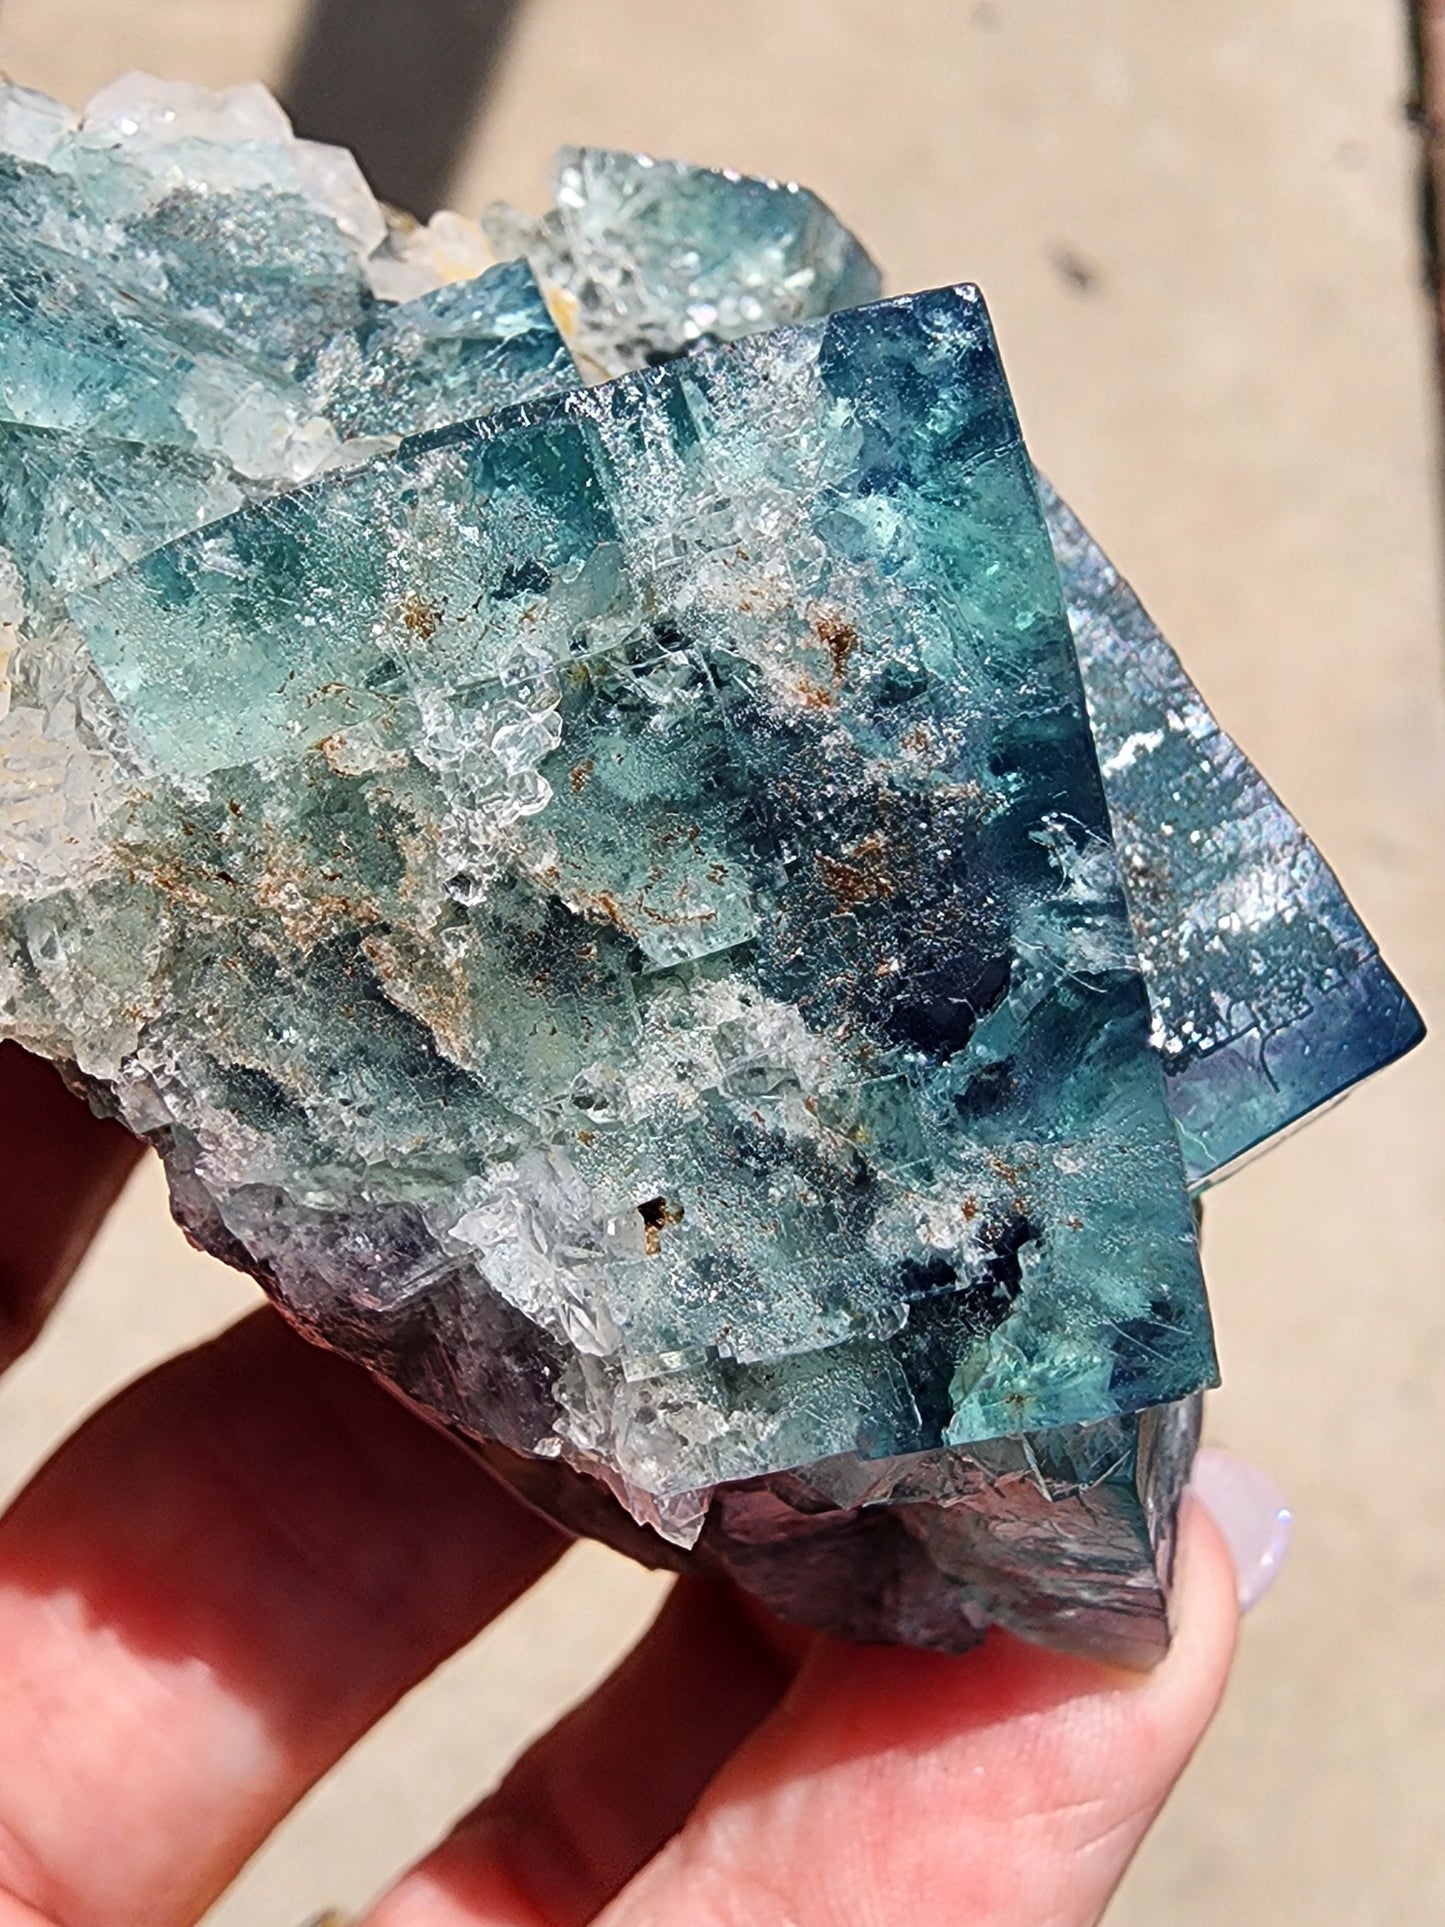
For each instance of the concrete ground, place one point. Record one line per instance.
(1196, 228)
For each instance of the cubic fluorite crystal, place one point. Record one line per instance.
(628, 906)
(789, 977)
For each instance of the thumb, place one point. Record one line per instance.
(1006, 1788)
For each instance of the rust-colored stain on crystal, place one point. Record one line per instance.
(421, 617)
(839, 637)
(656, 1213)
(860, 875)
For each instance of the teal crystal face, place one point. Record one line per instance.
(465, 349)
(682, 921)
(233, 316)
(787, 974)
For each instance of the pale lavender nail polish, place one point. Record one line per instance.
(1249, 1509)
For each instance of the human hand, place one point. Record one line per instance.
(233, 1570)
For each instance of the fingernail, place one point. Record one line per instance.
(1249, 1509)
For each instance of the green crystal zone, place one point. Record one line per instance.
(82, 492)
(166, 297)
(785, 999)
(157, 370)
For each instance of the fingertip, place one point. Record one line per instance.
(1250, 1512)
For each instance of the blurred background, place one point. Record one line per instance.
(1201, 231)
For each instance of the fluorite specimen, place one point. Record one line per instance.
(619, 906)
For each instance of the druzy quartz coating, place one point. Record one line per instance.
(679, 919)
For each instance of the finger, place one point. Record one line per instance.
(12, 1914)
(208, 1594)
(1003, 1789)
(60, 1171)
(597, 1796)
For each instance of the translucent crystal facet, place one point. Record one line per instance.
(1269, 995)
(645, 258)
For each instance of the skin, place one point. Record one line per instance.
(229, 1573)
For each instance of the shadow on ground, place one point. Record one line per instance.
(400, 82)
